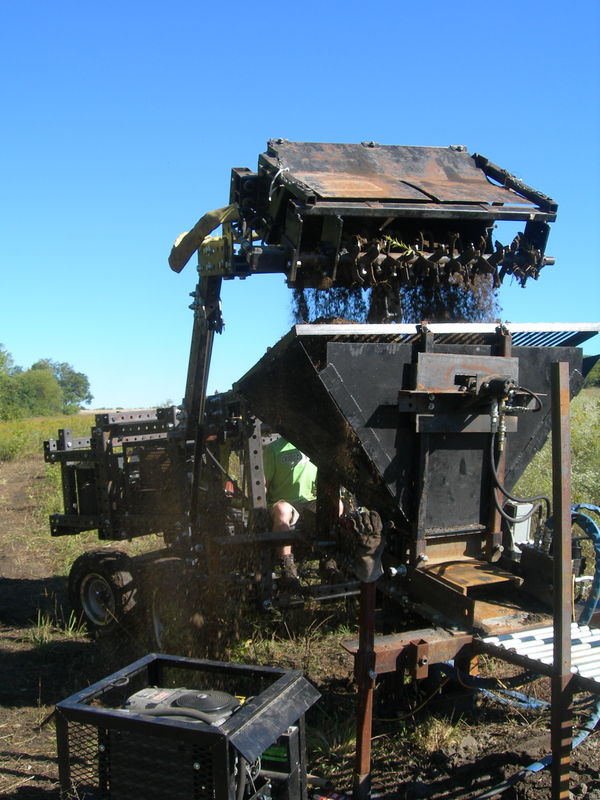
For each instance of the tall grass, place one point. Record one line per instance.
(585, 455)
(25, 437)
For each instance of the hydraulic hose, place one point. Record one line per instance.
(500, 691)
(537, 766)
(592, 530)
(477, 682)
(490, 687)
(521, 701)
(590, 526)
(531, 394)
(537, 500)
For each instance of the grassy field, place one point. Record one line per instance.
(423, 736)
(25, 437)
(21, 445)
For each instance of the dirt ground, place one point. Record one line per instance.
(458, 746)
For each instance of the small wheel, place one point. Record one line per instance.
(102, 590)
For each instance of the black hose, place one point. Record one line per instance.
(537, 500)
(508, 517)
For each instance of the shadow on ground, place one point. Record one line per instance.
(22, 598)
(42, 674)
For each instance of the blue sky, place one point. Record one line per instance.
(123, 119)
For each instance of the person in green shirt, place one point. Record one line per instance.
(291, 479)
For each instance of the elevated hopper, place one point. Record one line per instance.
(403, 416)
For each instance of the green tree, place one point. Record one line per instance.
(75, 385)
(9, 401)
(48, 387)
(38, 393)
(6, 361)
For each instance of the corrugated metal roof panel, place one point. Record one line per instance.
(537, 334)
(537, 645)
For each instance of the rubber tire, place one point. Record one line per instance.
(102, 590)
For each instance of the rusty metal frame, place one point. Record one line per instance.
(309, 203)
(437, 645)
(384, 654)
(562, 679)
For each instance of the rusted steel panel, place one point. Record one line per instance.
(463, 575)
(365, 677)
(441, 645)
(389, 172)
(437, 594)
(439, 372)
(359, 187)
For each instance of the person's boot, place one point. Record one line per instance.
(330, 572)
(289, 581)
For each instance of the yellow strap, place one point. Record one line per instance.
(187, 243)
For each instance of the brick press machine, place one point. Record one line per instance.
(431, 425)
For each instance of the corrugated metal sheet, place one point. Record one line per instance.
(537, 645)
(538, 334)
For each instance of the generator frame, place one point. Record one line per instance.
(107, 750)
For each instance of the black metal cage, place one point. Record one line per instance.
(107, 752)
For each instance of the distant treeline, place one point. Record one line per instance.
(46, 388)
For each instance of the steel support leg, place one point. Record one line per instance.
(561, 716)
(365, 677)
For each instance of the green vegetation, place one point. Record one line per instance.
(585, 455)
(23, 440)
(593, 376)
(48, 387)
(25, 437)
(47, 624)
(412, 724)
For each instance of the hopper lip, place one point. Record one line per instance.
(540, 334)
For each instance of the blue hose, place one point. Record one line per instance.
(477, 682)
(537, 766)
(500, 694)
(490, 687)
(590, 527)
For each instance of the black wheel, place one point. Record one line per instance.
(102, 590)
(171, 615)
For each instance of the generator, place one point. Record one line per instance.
(234, 732)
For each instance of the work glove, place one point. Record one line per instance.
(362, 531)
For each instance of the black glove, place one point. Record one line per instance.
(363, 529)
